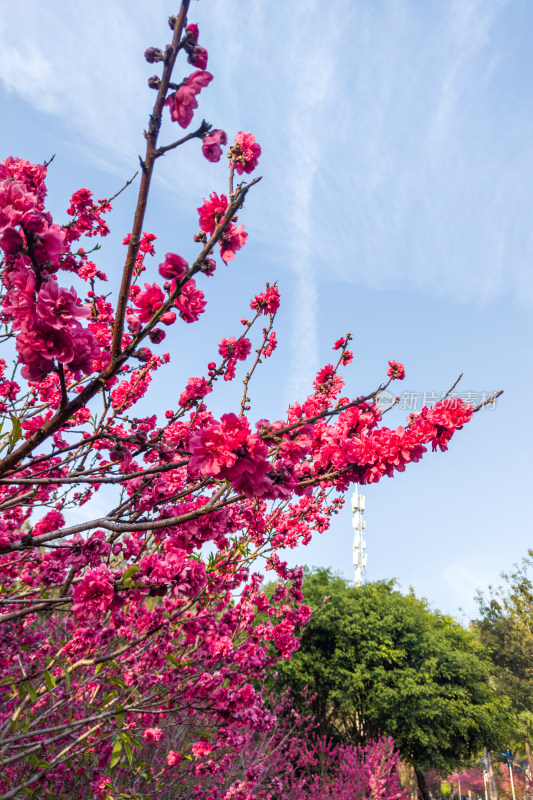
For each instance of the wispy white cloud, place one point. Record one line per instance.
(309, 88)
(397, 133)
(466, 36)
(84, 64)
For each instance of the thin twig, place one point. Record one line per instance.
(199, 134)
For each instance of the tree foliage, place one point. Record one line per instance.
(376, 661)
(505, 630)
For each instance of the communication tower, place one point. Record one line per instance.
(359, 544)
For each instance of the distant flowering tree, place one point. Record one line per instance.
(130, 644)
(472, 781)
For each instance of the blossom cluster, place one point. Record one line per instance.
(45, 315)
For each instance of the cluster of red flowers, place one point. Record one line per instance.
(46, 315)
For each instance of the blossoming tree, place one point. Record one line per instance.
(131, 650)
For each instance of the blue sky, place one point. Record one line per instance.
(396, 204)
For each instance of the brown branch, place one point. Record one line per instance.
(96, 479)
(63, 384)
(199, 134)
(148, 166)
(107, 524)
(450, 390)
(249, 374)
(490, 400)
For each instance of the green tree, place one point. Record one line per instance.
(505, 630)
(375, 661)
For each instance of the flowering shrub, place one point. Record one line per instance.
(131, 646)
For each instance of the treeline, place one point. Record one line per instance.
(458, 702)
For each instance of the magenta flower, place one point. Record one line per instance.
(31, 175)
(94, 594)
(244, 153)
(57, 307)
(212, 212)
(196, 389)
(95, 549)
(50, 244)
(182, 105)
(16, 201)
(396, 371)
(85, 352)
(149, 301)
(37, 349)
(211, 451)
(198, 57)
(134, 323)
(182, 102)
(173, 266)
(239, 348)
(267, 302)
(191, 302)
(192, 32)
(232, 240)
(173, 758)
(211, 145)
(19, 302)
(153, 734)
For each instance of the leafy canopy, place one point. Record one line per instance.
(376, 662)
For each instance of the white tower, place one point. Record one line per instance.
(359, 544)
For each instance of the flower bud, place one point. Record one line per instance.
(156, 336)
(154, 82)
(153, 55)
(209, 266)
(168, 318)
(192, 32)
(143, 354)
(198, 57)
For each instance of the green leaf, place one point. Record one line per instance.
(108, 698)
(16, 432)
(49, 680)
(129, 752)
(115, 754)
(32, 693)
(128, 573)
(128, 737)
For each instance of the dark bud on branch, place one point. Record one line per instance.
(154, 82)
(172, 22)
(208, 266)
(153, 55)
(156, 336)
(198, 57)
(205, 127)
